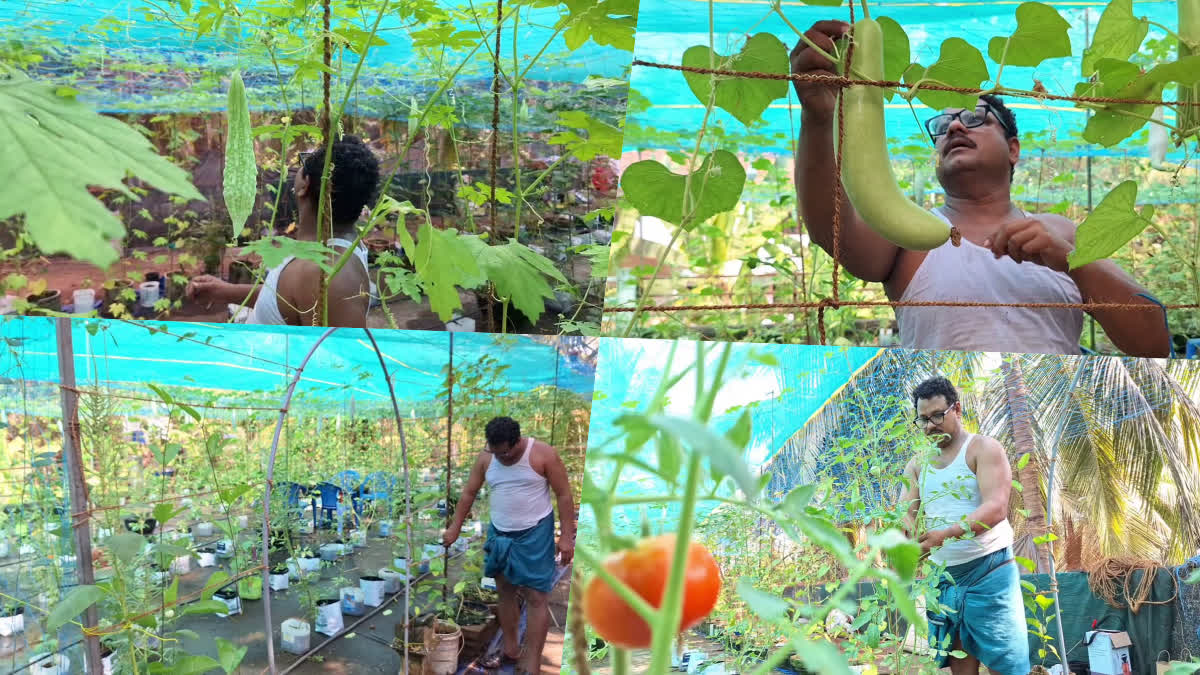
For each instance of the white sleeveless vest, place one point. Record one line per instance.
(519, 496)
(949, 494)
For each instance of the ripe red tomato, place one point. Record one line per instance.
(646, 568)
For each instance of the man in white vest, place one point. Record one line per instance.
(1007, 255)
(520, 551)
(958, 505)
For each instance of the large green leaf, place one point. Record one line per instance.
(722, 454)
(608, 23)
(602, 139)
(1041, 34)
(743, 97)
(72, 605)
(273, 251)
(766, 605)
(1110, 225)
(444, 261)
(655, 191)
(1118, 36)
(230, 654)
(896, 51)
(190, 664)
(55, 149)
(1114, 122)
(959, 64)
(209, 606)
(518, 272)
(125, 545)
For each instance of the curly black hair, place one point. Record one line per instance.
(502, 431)
(353, 181)
(1007, 120)
(935, 386)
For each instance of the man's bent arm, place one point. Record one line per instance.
(910, 499)
(556, 474)
(863, 252)
(1136, 332)
(470, 490)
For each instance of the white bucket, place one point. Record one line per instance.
(84, 300)
(308, 565)
(50, 664)
(182, 564)
(207, 558)
(331, 552)
(225, 548)
(26, 550)
(4, 549)
(12, 625)
(373, 589)
(148, 294)
(329, 616)
(203, 529)
(279, 582)
(352, 601)
(432, 552)
(234, 604)
(243, 522)
(295, 636)
(358, 539)
(107, 662)
(385, 528)
(487, 584)
(401, 564)
(392, 580)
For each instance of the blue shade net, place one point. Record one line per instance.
(123, 60)
(670, 114)
(779, 397)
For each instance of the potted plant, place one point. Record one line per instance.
(12, 618)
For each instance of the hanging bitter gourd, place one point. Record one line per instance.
(1189, 95)
(241, 169)
(866, 167)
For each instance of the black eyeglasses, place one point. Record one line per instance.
(938, 125)
(936, 418)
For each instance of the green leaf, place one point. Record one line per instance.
(904, 558)
(959, 64)
(172, 592)
(273, 251)
(958, 654)
(214, 584)
(444, 261)
(232, 494)
(518, 273)
(722, 455)
(798, 498)
(1111, 225)
(162, 393)
(656, 192)
(165, 512)
(190, 664)
(896, 51)
(743, 97)
(1118, 36)
(1041, 34)
(608, 23)
(768, 606)
(1026, 563)
(907, 607)
(602, 140)
(209, 606)
(740, 434)
(1194, 577)
(821, 656)
(166, 454)
(72, 605)
(230, 654)
(57, 148)
(1114, 122)
(1045, 602)
(125, 546)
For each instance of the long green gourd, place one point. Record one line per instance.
(1189, 31)
(866, 168)
(241, 169)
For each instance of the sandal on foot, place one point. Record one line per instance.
(500, 660)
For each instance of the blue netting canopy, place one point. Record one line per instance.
(244, 363)
(666, 28)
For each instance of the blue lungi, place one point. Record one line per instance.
(986, 611)
(525, 558)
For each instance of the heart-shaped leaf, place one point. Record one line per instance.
(896, 51)
(1118, 36)
(1041, 34)
(655, 191)
(959, 65)
(743, 97)
(1110, 226)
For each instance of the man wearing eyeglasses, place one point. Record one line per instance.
(520, 551)
(1007, 255)
(957, 506)
(291, 292)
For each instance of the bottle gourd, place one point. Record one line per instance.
(866, 168)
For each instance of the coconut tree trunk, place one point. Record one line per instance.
(1074, 546)
(1024, 444)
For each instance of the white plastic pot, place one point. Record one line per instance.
(392, 580)
(487, 584)
(352, 601)
(243, 522)
(296, 635)
(12, 625)
(329, 616)
(26, 550)
(385, 528)
(432, 552)
(206, 558)
(50, 664)
(5, 549)
(310, 565)
(372, 589)
(203, 529)
(293, 568)
(107, 663)
(182, 564)
(358, 539)
(279, 582)
(233, 603)
(331, 552)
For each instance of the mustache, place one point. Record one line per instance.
(955, 141)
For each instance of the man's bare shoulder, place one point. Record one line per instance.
(985, 446)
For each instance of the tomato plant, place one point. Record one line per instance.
(645, 568)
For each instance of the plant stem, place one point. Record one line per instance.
(643, 298)
(516, 137)
(671, 611)
(621, 661)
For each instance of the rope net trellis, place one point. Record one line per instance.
(835, 302)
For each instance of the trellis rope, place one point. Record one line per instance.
(835, 302)
(1111, 580)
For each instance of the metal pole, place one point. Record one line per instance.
(78, 487)
(1062, 426)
